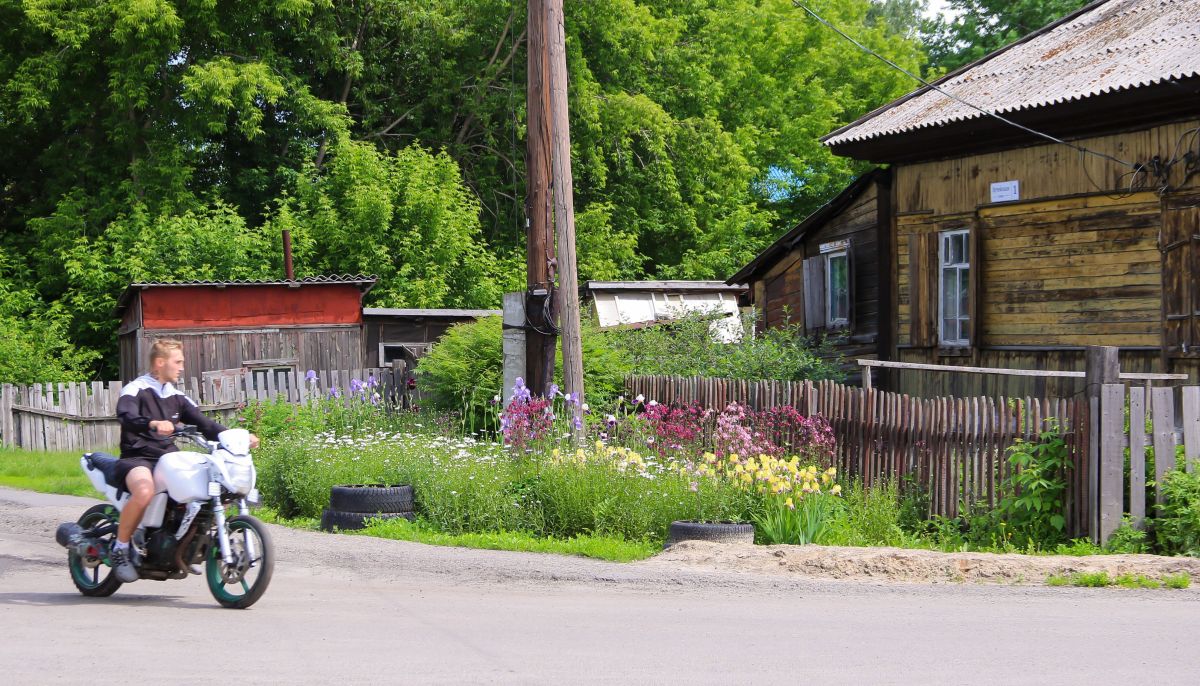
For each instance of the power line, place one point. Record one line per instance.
(973, 106)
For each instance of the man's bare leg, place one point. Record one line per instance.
(140, 484)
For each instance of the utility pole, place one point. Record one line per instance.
(567, 295)
(539, 347)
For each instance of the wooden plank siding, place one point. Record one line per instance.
(303, 348)
(778, 290)
(962, 184)
(1067, 265)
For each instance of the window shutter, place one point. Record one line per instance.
(1180, 246)
(850, 287)
(975, 307)
(922, 289)
(814, 293)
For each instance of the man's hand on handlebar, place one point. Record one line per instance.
(162, 427)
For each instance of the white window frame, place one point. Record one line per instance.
(943, 265)
(830, 320)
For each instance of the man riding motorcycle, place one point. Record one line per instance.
(148, 409)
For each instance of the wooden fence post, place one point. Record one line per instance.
(1112, 459)
(1162, 413)
(1102, 368)
(1137, 456)
(1191, 426)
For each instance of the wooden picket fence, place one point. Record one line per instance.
(1152, 424)
(82, 416)
(954, 447)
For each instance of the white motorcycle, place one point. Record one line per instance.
(184, 525)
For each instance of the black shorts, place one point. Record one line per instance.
(128, 464)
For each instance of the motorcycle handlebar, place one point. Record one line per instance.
(185, 430)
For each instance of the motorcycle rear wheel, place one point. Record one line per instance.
(241, 584)
(93, 576)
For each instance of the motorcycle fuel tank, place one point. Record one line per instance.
(184, 475)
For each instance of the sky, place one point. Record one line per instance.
(936, 7)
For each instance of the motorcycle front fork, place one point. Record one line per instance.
(223, 534)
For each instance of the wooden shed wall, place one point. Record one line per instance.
(391, 330)
(328, 347)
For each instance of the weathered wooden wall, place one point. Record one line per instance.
(779, 291)
(1066, 266)
(955, 186)
(303, 348)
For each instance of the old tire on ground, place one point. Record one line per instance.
(331, 519)
(718, 532)
(371, 498)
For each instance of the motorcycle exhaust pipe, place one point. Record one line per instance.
(73, 537)
(68, 534)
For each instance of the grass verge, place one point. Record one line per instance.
(599, 547)
(46, 472)
(1102, 580)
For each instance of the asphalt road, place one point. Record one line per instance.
(346, 609)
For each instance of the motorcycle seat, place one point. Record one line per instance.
(107, 465)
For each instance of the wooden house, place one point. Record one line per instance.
(1070, 218)
(826, 273)
(268, 328)
(391, 334)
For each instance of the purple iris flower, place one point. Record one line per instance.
(311, 376)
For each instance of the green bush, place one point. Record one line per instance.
(686, 347)
(869, 517)
(1034, 497)
(1127, 539)
(463, 372)
(1177, 527)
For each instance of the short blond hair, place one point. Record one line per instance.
(162, 348)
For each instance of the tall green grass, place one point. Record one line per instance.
(463, 487)
(47, 472)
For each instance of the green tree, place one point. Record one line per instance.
(167, 139)
(983, 26)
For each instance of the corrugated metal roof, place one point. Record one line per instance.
(663, 286)
(358, 279)
(363, 282)
(1105, 47)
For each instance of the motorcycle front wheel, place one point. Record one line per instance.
(91, 573)
(240, 584)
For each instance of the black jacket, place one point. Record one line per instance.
(145, 400)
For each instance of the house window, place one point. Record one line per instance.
(837, 289)
(954, 287)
